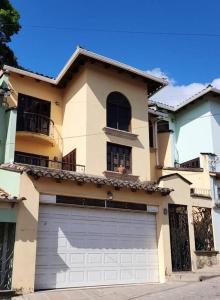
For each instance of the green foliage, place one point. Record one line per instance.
(9, 25)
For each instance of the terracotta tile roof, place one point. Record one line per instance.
(80, 178)
(5, 197)
(3, 194)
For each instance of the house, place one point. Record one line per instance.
(195, 127)
(97, 209)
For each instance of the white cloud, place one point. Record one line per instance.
(174, 94)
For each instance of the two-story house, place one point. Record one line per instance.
(85, 159)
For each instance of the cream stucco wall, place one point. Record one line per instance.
(165, 147)
(101, 82)
(181, 196)
(75, 116)
(32, 143)
(27, 221)
(79, 114)
(25, 237)
(51, 187)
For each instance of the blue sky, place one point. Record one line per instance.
(50, 32)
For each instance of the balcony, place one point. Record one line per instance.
(35, 125)
(44, 161)
(199, 192)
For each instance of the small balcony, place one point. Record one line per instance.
(35, 125)
(199, 192)
(43, 161)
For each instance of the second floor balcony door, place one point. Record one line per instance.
(33, 114)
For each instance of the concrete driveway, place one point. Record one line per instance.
(209, 289)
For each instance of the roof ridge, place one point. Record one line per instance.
(209, 86)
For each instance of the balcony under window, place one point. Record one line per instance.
(33, 119)
(67, 163)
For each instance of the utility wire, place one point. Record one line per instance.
(161, 33)
(102, 132)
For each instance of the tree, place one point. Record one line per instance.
(9, 25)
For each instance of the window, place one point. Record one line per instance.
(151, 134)
(162, 126)
(33, 114)
(118, 112)
(117, 156)
(193, 163)
(31, 159)
(69, 161)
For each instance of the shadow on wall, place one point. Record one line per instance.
(26, 224)
(163, 141)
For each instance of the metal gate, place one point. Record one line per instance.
(7, 239)
(179, 238)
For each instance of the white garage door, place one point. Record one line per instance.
(85, 247)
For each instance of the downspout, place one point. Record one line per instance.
(156, 143)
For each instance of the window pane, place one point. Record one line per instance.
(118, 111)
(118, 155)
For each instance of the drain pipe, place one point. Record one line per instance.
(156, 143)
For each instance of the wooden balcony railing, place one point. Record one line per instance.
(32, 122)
(45, 162)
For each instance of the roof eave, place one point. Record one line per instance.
(28, 74)
(79, 51)
(155, 82)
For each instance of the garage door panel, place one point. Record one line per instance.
(84, 247)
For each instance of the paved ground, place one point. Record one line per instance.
(208, 289)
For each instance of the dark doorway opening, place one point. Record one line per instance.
(7, 240)
(179, 238)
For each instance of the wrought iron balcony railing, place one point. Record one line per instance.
(45, 162)
(32, 122)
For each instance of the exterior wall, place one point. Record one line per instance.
(2, 134)
(8, 213)
(32, 143)
(101, 82)
(215, 123)
(75, 117)
(10, 182)
(27, 221)
(7, 134)
(193, 131)
(216, 226)
(165, 149)
(199, 179)
(11, 118)
(180, 195)
(51, 187)
(79, 114)
(216, 213)
(23, 276)
(7, 125)
(153, 164)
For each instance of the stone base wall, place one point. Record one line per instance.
(206, 258)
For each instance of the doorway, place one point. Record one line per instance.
(179, 238)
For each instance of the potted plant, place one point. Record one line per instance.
(121, 169)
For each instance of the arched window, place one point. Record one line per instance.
(118, 112)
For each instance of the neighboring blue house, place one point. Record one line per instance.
(196, 129)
